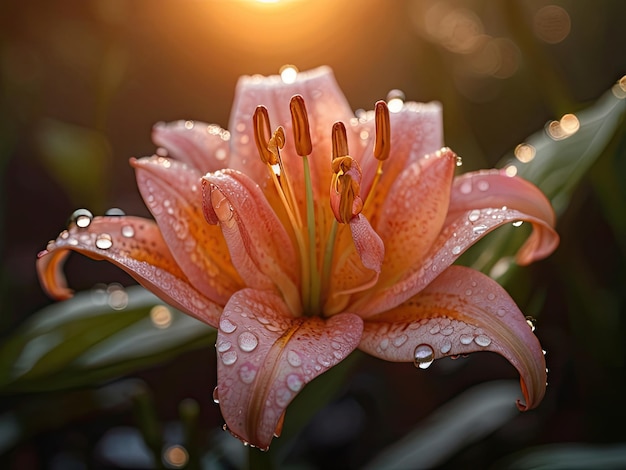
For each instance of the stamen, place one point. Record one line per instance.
(261, 123)
(383, 132)
(339, 140)
(382, 144)
(304, 146)
(300, 122)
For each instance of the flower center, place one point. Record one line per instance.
(316, 241)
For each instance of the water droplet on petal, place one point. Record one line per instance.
(517, 223)
(216, 398)
(384, 344)
(247, 373)
(247, 341)
(456, 250)
(400, 340)
(445, 347)
(223, 346)
(114, 212)
(227, 326)
(482, 340)
(482, 185)
(531, 323)
(479, 229)
(128, 231)
(466, 339)
(229, 357)
(189, 124)
(82, 218)
(294, 382)
(424, 355)
(293, 358)
(474, 215)
(104, 241)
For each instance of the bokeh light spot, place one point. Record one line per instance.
(552, 24)
(288, 73)
(161, 316)
(525, 153)
(175, 456)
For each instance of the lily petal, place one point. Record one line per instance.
(260, 247)
(203, 146)
(325, 103)
(135, 245)
(457, 235)
(461, 311)
(416, 130)
(171, 190)
(414, 212)
(266, 356)
(494, 189)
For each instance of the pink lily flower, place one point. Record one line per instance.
(322, 234)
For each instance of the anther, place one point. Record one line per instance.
(261, 122)
(276, 143)
(345, 199)
(383, 132)
(339, 140)
(300, 122)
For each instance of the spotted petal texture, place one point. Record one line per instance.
(460, 312)
(266, 356)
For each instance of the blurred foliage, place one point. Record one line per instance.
(80, 85)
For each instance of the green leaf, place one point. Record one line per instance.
(557, 168)
(85, 340)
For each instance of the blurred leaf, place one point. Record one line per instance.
(84, 341)
(467, 418)
(557, 168)
(568, 457)
(77, 157)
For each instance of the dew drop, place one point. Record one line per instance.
(474, 215)
(517, 223)
(466, 187)
(400, 340)
(435, 329)
(294, 382)
(189, 125)
(445, 347)
(466, 339)
(293, 358)
(104, 241)
(424, 355)
(479, 229)
(459, 161)
(491, 296)
(229, 358)
(247, 341)
(114, 212)
(223, 346)
(456, 250)
(128, 231)
(448, 330)
(482, 340)
(483, 185)
(531, 323)
(247, 373)
(216, 398)
(82, 218)
(227, 326)
(384, 344)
